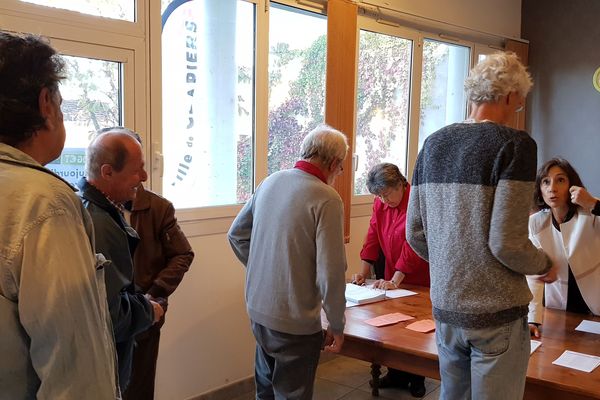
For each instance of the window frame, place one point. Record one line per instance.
(418, 37)
(391, 29)
(82, 35)
(76, 19)
(450, 41)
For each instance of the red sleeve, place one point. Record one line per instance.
(414, 267)
(371, 247)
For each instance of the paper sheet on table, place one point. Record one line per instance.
(397, 293)
(578, 361)
(388, 319)
(423, 326)
(589, 326)
(534, 345)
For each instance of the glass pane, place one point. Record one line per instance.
(116, 9)
(443, 100)
(208, 102)
(91, 96)
(164, 4)
(382, 104)
(297, 57)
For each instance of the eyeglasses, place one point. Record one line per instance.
(385, 196)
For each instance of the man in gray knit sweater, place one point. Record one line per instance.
(289, 236)
(468, 212)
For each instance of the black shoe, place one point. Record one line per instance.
(417, 388)
(391, 382)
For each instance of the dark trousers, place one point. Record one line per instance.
(285, 364)
(143, 372)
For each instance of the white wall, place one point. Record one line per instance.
(206, 341)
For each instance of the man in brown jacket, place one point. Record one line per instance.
(161, 259)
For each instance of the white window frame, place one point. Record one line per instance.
(392, 29)
(76, 19)
(81, 35)
(361, 204)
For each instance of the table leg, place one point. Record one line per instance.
(375, 373)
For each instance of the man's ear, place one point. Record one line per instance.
(333, 165)
(106, 171)
(46, 106)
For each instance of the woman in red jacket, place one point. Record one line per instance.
(387, 234)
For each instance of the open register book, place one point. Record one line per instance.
(363, 294)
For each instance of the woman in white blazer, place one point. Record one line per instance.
(567, 229)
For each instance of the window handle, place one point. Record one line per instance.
(158, 163)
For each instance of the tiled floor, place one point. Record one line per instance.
(345, 378)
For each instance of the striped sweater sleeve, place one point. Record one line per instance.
(508, 235)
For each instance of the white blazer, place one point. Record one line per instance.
(578, 245)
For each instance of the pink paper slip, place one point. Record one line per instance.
(423, 326)
(388, 319)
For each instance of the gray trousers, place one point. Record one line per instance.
(285, 364)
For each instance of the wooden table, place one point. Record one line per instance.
(415, 352)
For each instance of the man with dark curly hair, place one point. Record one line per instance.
(55, 341)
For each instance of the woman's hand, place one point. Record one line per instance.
(582, 198)
(384, 285)
(358, 279)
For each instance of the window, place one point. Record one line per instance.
(297, 58)
(92, 99)
(208, 102)
(383, 100)
(443, 100)
(116, 9)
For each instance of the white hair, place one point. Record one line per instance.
(497, 75)
(324, 143)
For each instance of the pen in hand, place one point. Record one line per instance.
(358, 279)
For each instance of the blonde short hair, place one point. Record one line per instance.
(497, 75)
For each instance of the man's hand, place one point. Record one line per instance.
(333, 342)
(582, 198)
(158, 311)
(549, 276)
(534, 330)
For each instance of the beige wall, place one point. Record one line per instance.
(492, 16)
(206, 341)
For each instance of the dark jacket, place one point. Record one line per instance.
(131, 313)
(164, 254)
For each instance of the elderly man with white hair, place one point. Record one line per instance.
(467, 215)
(289, 236)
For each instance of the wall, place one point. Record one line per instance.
(564, 108)
(206, 341)
(491, 16)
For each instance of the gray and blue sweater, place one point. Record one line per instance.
(468, 212)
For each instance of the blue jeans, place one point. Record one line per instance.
(285, 364)
(483, 364)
